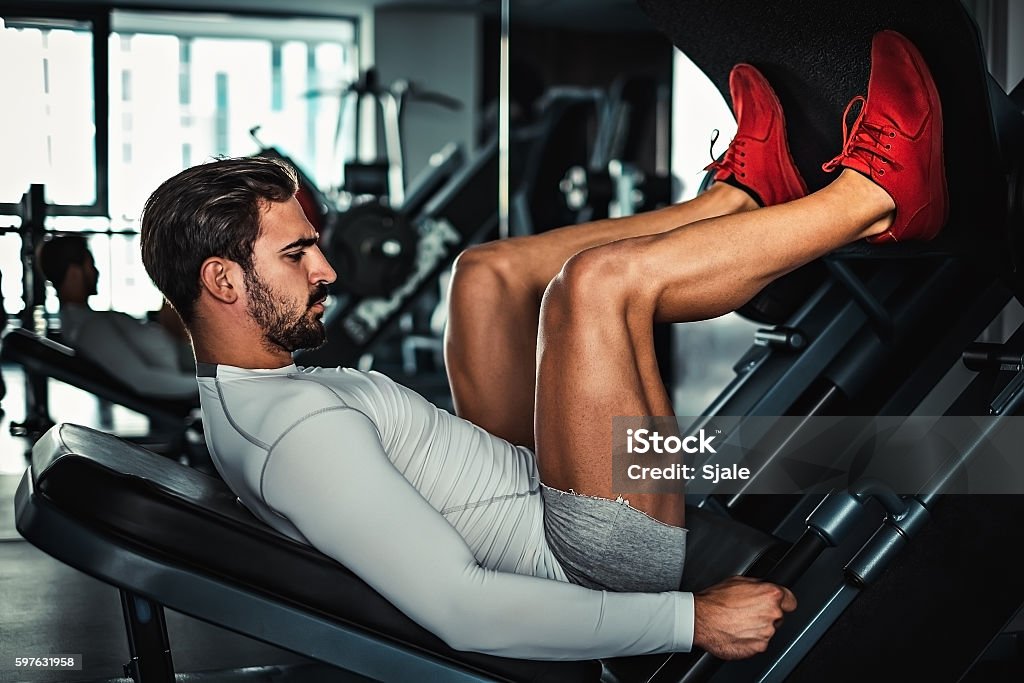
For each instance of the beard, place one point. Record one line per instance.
(285, 327)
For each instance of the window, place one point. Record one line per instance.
(49, 127)
(181, 89)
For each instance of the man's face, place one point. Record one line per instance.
(288, 281)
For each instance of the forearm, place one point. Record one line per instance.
(525, 617)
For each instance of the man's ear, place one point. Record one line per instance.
(220, 277)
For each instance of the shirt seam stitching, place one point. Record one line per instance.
(227, 413)
(270, 451)
(300, 378)
(495, 499)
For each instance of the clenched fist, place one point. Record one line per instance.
(736, 618)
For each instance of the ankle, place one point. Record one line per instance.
(864, 193)
(729, 199)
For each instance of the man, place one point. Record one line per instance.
(500, 530)
(146, 356)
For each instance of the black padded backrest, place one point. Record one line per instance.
(816, 55)
(193, 521)
(47, 357)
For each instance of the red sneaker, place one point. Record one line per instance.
(896, 139)
(758, 157)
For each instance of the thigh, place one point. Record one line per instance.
(596, 361)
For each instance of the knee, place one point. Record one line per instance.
(482, 271)
(600, 278)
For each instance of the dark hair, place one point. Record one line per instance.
(212, 209)
(60, 253)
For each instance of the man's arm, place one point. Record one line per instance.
(330, 477)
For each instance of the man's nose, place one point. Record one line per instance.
(323, 271)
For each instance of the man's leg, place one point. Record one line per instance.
(494, 302)
(596, 351)
(497, 289)
(596, 356)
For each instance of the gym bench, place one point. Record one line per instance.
(47, 359)
(169, 535)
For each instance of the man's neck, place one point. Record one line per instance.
(224, 348)
(73, 296)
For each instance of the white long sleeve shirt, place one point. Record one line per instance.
(440, 517)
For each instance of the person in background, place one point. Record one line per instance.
(154, 358)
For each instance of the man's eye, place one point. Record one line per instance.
(297, 256)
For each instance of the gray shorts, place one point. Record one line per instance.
(610, 545)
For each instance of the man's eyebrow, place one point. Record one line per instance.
(302, 242)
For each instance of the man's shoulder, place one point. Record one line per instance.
(340, 380)
(276, 401)
(344, 379)
(262, 410)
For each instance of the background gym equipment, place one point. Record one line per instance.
(461, 213)
(365, 226)
(373, 249)
(872, 334)
(32, 210)
(628, 170)
(373, 246)
(384, 178)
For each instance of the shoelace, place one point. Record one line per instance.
(864, 141)
(732, 160)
